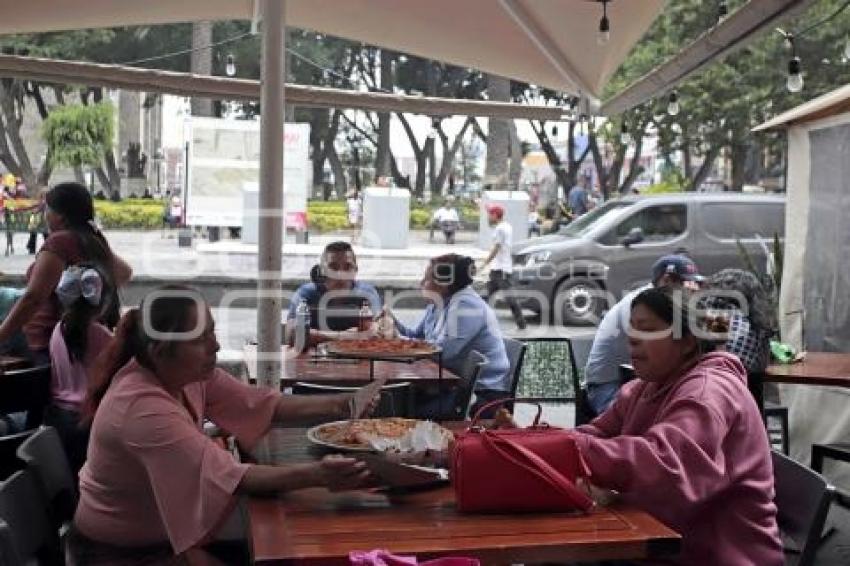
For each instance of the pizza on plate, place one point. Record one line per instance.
(357, 432)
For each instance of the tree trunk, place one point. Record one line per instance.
(201, 63)
(704, 169)
(419, 154)
(318, 130)
(450, 153)
(431, 152)
(602, 172)
(516, 157)
(340, 184)
(635, 169)
(739, 166)
(498, 136)
(554, 161)
(382, 152)
(13, 119)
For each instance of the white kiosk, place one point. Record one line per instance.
(386, 218)
(516, 214)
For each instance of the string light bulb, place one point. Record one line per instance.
(722, 10)
(673, 104)
(554, 131)
(795, 75)
(625, 137)
(230, 66)
(604, 25)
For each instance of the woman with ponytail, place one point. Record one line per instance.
(75, 343)
(74, 238)
(154, 485)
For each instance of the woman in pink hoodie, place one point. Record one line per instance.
(685, 442)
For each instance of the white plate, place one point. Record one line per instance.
(313, 436)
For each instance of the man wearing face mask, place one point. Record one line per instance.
(334, 297)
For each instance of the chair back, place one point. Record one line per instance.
(396, 398)
(469, 372)
(516, 353)
(579, 352)
(26, 390)
(26, 528)
(9, 462)
(44, 455)
(802, 500)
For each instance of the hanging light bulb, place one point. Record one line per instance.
(795, 75)
(625, 137)
(722, 10)
(230, 67)
(604, 25)
(673, 104)
(554, 131)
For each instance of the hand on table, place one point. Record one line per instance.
(365, 400)
(385, 324)
(341, 473)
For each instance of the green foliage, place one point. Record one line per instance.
(327, 222)
(419, 218)
(672, 181)
(79, 135)
(130, 214)
(721, 104)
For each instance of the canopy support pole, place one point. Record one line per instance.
(269, 296)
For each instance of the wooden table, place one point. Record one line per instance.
(817, 368)
(315, 527)
(348, 372)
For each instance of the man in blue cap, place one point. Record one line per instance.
(611, 344)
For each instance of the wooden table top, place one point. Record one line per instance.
(346, 371)
(817, 368)
(316, 527)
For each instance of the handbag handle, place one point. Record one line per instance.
(499, 402)
(521, 456)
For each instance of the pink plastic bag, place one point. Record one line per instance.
(384, 558)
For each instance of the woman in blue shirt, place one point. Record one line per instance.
(459, 321)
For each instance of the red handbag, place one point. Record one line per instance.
(520, 469)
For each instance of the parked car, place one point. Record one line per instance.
(575, 275)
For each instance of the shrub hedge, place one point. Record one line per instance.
(130, 214)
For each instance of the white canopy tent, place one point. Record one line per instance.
(551, 43)
(814, 309)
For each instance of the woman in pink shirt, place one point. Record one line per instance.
(154, 485)
(76, 342)
(685, 441)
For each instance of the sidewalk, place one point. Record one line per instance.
(156, 255)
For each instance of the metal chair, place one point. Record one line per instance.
(469, 372)
(802, 500)
(25, 530)
(579, 352)
(551, 373)
(778, 435)
(516, 354)
(26, 390)
(839, 451)
(9, 462)
(396, 398)
(44, 455)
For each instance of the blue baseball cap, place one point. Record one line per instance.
(681, 266)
